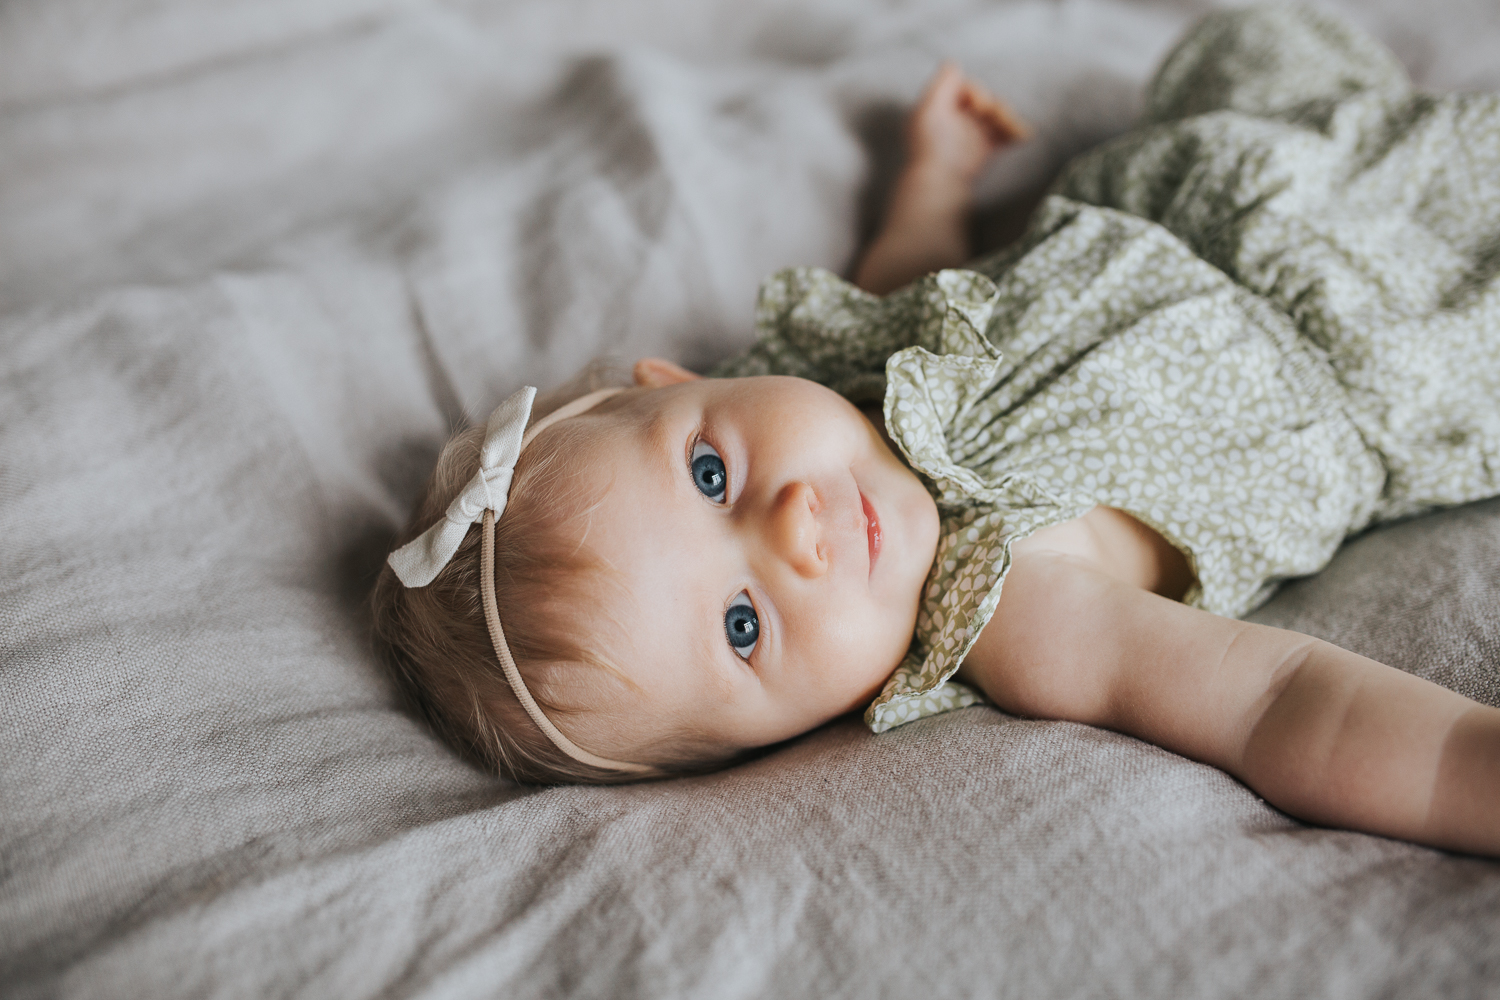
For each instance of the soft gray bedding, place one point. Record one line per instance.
(257, 256)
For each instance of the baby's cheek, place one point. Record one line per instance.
(887, 637)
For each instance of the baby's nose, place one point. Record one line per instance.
(794, 529)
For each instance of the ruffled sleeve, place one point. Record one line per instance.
(931, 407)
(814, 325)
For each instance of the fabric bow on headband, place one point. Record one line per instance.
(483, 500)
(419, 561)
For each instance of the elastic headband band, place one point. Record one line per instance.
(483, 499)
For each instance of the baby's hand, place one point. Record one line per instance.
(958, 125)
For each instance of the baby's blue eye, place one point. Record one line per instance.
(708, 471)
(742, 625)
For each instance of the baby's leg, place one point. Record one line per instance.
(1367, 212)
(954, 129)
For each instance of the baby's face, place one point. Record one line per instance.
(773, 550)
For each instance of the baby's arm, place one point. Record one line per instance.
(1320, 732)
(954, 129)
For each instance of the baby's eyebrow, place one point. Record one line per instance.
(661, 441)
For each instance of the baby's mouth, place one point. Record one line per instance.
(872, 530)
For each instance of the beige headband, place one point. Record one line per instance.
(418, 562)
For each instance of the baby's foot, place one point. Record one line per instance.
(957, 126)
(954, 129)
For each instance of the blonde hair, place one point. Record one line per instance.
(547, 585)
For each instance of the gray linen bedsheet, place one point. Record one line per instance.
(256, 258)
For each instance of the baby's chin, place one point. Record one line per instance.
(920, 527)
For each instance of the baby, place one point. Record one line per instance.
(1052, 480)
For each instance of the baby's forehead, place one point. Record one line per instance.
(652, 631)
(627, 446)
(657, 608)
(621, 416)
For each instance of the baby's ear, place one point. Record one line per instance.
(653, 373)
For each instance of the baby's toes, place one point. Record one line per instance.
(1003, 124)
(943, 94)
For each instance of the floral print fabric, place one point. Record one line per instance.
(1262, 321)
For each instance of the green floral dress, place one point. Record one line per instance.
(1263, 320)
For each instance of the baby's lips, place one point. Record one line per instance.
(873, 535)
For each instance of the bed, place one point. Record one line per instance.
(258, 257)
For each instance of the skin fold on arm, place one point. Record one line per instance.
(1321, 733)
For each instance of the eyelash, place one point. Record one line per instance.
(717, 467)
(742, 600)
(709, 471)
